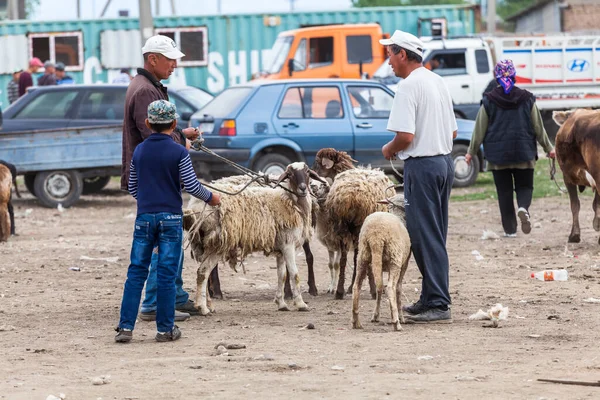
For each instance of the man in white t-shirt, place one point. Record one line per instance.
(422, 117)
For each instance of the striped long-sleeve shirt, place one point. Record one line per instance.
(157, 168)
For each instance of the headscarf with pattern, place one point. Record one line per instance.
(505, 74)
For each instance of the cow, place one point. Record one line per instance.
(11, 211)
(578, 155)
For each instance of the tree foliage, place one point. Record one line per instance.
(510, 7)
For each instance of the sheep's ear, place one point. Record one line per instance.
(316, 176)
(282, 177)
(327, 163)
(385, 201)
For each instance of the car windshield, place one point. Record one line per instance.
(227, 101)
(199, 98)
(279, 52)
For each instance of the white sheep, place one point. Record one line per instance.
(354, 195)
(383, 246)
(258, 219)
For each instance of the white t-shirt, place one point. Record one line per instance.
(423, 106)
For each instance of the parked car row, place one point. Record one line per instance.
(263, 125)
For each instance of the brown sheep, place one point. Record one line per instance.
(5, 195)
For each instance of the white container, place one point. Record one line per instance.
(551, 275)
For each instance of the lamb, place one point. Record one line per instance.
(11, 212)
(5, 196)
(354, 195)
(383, 246)
(258, 219)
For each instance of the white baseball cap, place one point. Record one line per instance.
(162, 45)
(405, 40)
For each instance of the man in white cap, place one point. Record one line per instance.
(422, 118)
(160, 60)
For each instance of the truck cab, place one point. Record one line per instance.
(332, 51)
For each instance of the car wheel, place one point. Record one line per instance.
(58, 187)
(464, 175)
(272, 164)
(29, 183)
(94, 184)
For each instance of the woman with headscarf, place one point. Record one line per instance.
(509, 124)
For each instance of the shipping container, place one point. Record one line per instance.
(221, 50)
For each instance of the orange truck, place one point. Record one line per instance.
(330, 51)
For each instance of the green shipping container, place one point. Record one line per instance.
(221, 50)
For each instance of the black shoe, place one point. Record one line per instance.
(169, 336)
(434, 315)
(123, 336)
(151, 316)
(188, 307)
(415, 308)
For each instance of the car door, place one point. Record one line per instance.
(101, 106)
(369, 107)
(50, 109)
(451, 64)
(313, 116)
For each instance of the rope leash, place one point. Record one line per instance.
(553, 173)
(396, 171)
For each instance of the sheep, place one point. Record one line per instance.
(383, 246)
(235, 183)
(5, 196)
(257, 219)
(11, 211)
(354, 195)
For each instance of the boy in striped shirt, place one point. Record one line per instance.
(158, 167)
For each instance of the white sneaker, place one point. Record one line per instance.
(525, 222)
(510, 235)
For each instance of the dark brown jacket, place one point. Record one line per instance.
(143, 90)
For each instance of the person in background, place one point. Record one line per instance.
(123, 77)
(509, 124)
(26, 79)
(422, 119)
(61, 76)
(48, 79)
(12, 89)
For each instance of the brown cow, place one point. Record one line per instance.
(5, 195)
(578, 154)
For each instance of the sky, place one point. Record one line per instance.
(49, 10)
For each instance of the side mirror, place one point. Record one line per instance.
(185, 116)
(291, 66)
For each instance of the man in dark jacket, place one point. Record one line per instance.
(26, 79)
(160, 60)
(48, 79)
(509, 124)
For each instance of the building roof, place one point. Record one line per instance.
(531, 8)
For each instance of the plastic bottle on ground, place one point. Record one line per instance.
(551, 275)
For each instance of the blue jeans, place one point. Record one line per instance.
(181, 296)
(165, 230)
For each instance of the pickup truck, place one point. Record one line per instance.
(265, 125)
(66, 139)
(560, 70)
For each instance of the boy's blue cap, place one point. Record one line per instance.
(162, 112)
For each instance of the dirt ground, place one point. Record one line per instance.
(56, 324)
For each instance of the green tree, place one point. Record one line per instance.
(506, 8)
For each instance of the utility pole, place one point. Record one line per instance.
(78, 9)
(292, 5)
(491, 16)
(12, 9)
(173, 12)
(146, 23)
(219, 7)
(157, 8)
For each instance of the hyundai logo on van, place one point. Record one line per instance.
(578, 65)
